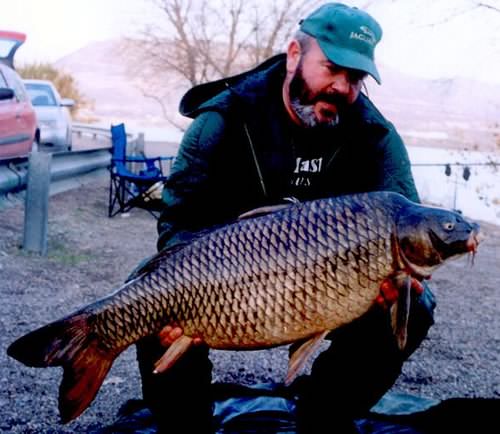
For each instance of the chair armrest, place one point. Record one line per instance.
(155, 162)
(140, 159)
(136, 159)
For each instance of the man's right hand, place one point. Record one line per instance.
(169, 334)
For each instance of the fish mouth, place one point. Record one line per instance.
(446, 250)
(442, 252)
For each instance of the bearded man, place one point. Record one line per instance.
(298, 126)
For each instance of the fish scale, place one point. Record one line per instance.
(284, 271)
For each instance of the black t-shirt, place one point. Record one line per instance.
(313, 150)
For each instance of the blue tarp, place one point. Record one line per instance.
(262, 409)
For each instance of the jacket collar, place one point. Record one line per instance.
(211, 95)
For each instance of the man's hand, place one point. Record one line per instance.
(389, 291)
(169, 334)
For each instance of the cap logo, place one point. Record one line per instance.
(365, 34)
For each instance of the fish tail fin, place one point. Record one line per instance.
(81, 381)
(71, 344)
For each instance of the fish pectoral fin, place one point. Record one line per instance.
(400, 312)
(301, 355)
(173, 353)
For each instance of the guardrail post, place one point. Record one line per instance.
(37, 203)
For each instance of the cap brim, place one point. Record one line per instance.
(350, 59)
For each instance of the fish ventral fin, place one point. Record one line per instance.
(70, 344)
(301, 355)
(173, 353)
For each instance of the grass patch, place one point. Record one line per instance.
(59, 251)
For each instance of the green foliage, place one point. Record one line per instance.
(64, 82)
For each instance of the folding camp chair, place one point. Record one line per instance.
(134, 180)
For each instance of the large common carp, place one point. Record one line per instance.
(267, 280)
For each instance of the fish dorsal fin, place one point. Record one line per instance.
(301, 355)
(269, 209)
(173, 353)
(263, 210)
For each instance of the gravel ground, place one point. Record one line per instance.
(90, 254)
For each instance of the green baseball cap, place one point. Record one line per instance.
(346, 35)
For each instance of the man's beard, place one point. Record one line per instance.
(302, 100)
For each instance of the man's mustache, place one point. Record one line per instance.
(335, 99)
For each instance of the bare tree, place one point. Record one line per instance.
(201, 40)
(207, 39)
(488, 5)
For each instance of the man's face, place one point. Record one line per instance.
(320, 90)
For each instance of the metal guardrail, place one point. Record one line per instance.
(93, 144)
(64, 166)
(94, 137)
(82, 128)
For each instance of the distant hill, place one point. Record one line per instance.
(449, 112)
(105, 78)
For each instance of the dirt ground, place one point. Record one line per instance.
(90, 254)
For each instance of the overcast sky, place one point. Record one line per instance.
(55, 28)
(433, 38)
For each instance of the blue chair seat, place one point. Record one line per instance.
(131, 177)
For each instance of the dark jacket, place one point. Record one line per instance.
(242, 151)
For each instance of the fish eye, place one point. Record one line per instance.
(448, 226)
